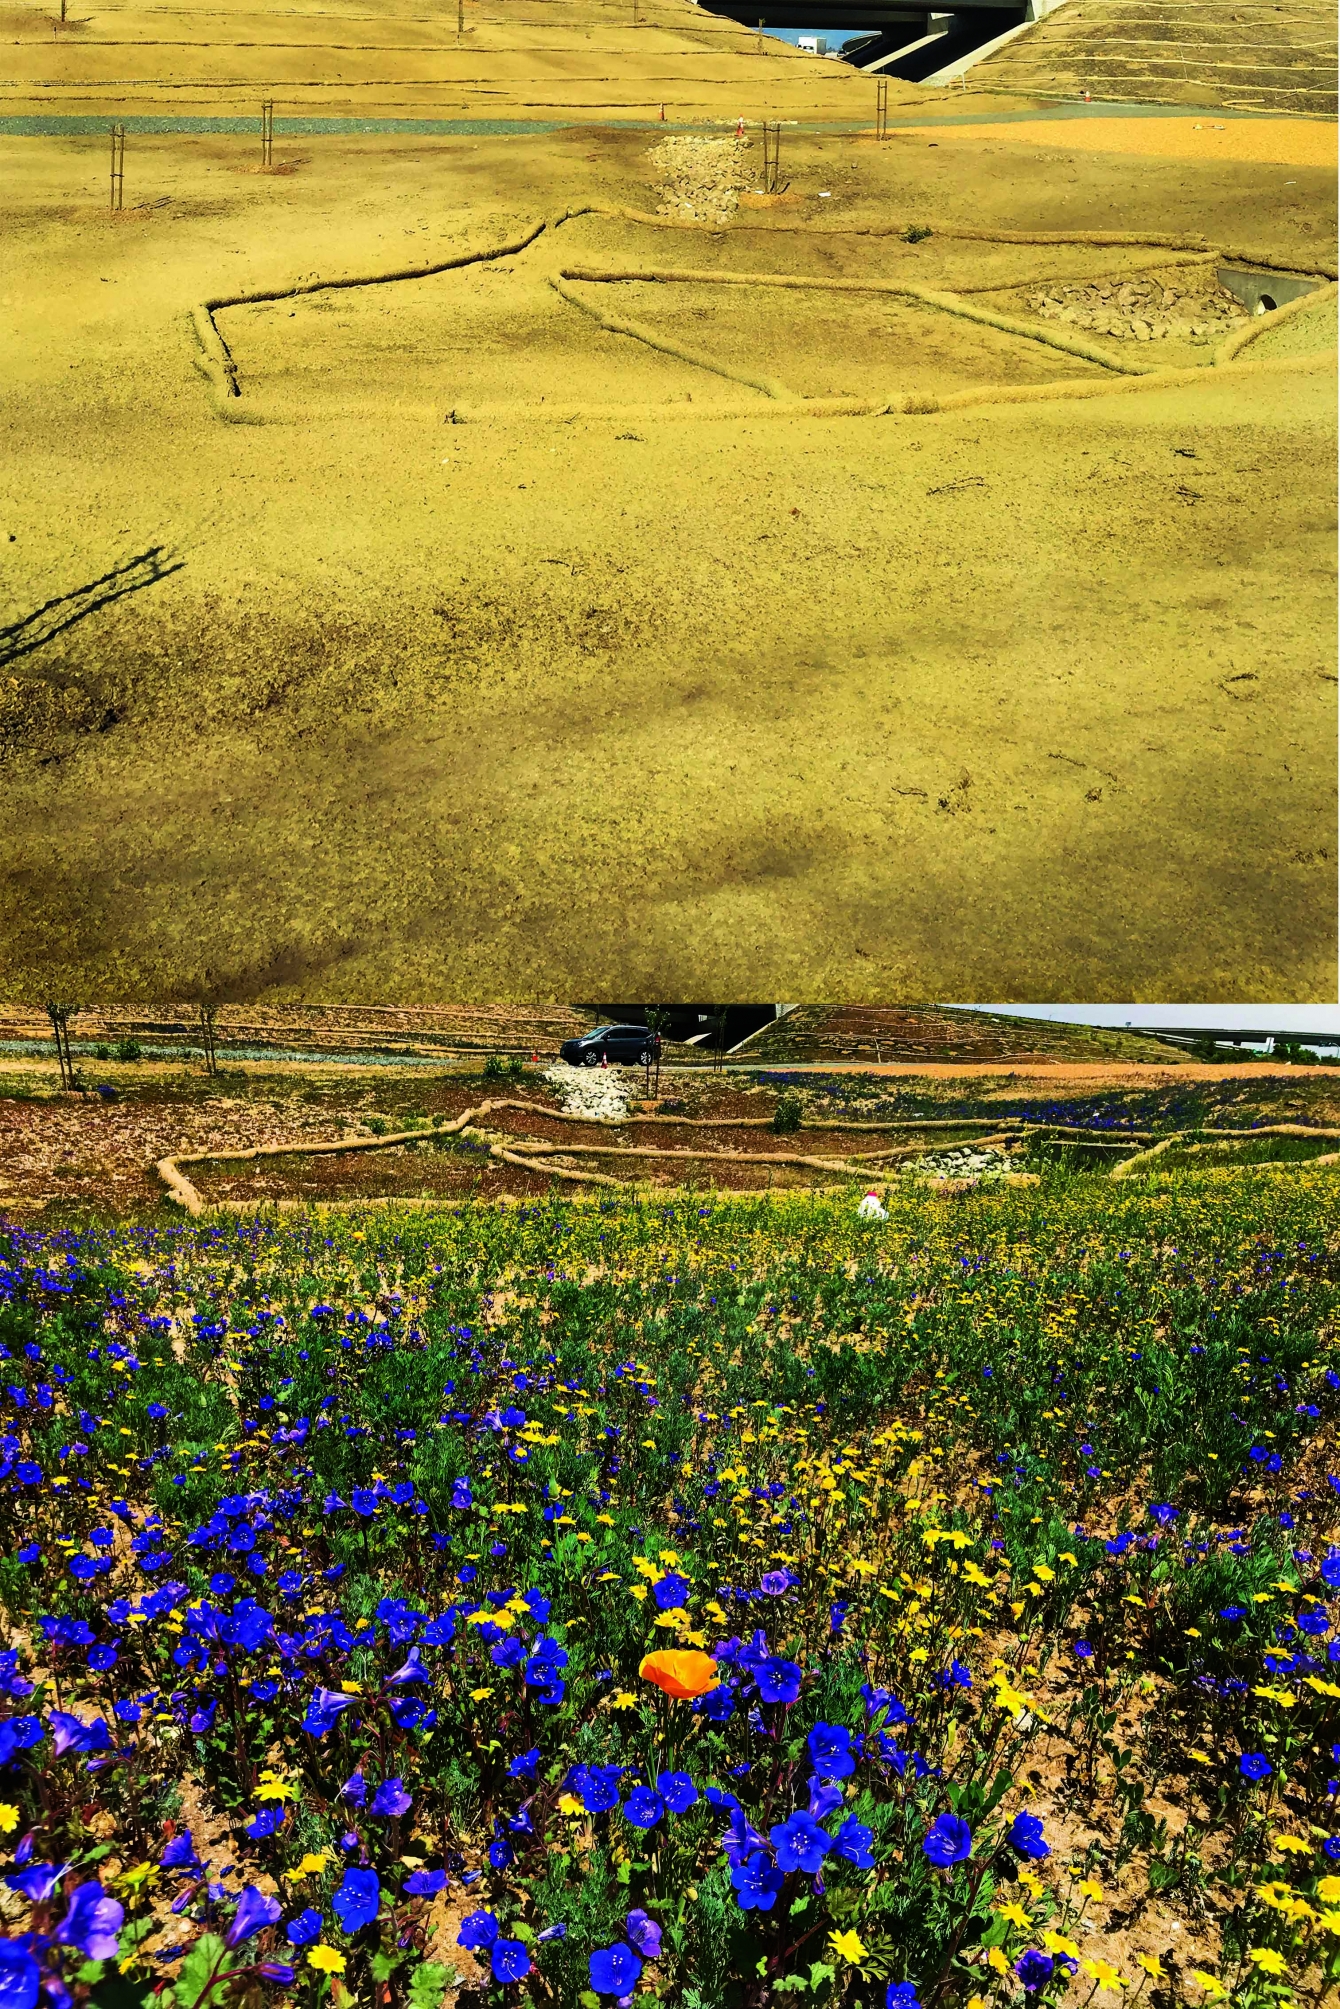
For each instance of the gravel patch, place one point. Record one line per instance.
(960, 1164)
(1143, 310)
(700, 178)
(591, 1091)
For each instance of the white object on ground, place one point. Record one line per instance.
(590, 1091)
(872, 1208)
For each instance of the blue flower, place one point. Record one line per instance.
(179, 1852)
(778, 1680)
(672, 1592)
(1330, 1570)
(324, 1711)
(596, 1786)
(1034, 1969)
(854, 1843)
(525, 1766)
(800, 1843)
(645, 1934)
(19, 1975)
(614, 1970)
(901, 1995)
(643, 1808)
(71, 1734)
(391, 1799)
(425, 1882)
(1026, 1836)
(92, 1923)
(825, 1797)
(948, 1841)
(254, 1909)
(37, 1881)
(756, 1883)
(267, 1822)
(830, 1748)
(1253, 1766)
(303, 1929)
(740, 1839)
(358, 1899)
(509, 1960)
(677, 1790)
(478, 1929)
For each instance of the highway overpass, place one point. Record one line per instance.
(834, 17)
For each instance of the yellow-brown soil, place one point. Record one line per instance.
(1026, 700)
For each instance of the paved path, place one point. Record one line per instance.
(53, 125)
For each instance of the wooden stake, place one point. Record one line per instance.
(881, 108)
(118, 167)
(267, 132)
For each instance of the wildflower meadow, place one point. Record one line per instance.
(704, 1600)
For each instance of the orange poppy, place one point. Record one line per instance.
(681, 1674)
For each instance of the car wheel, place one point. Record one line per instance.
(646, 1057)
(591, 1059)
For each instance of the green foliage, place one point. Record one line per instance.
(788, 1114)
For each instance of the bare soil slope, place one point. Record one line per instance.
(939, 1033)
(614, 693)
(394, 58)
(1258, 55)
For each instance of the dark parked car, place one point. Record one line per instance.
(630, 1043)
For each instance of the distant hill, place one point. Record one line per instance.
(576, 60)
(939, 1033)
(444, 1029)
(1252, 56)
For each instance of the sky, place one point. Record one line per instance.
(1271, 1017)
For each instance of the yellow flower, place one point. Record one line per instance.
(1214, 1989)
(272, 1787)
(325, 1959)
(480, 1694)
(1091, 1888)
(568, 1803)
(1329, 1888)
(623, 1700)
(1151, 1964)
(1266, 1958)
(995, 1958)
(1202, 1757)
(1329, 1921)
(9, 1818)
(847, 1945)
(1104, 1974)
(311, 1865)
(1056, 1942)
(1033, 1884)
(1016, 1914)
(1292, 1845)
